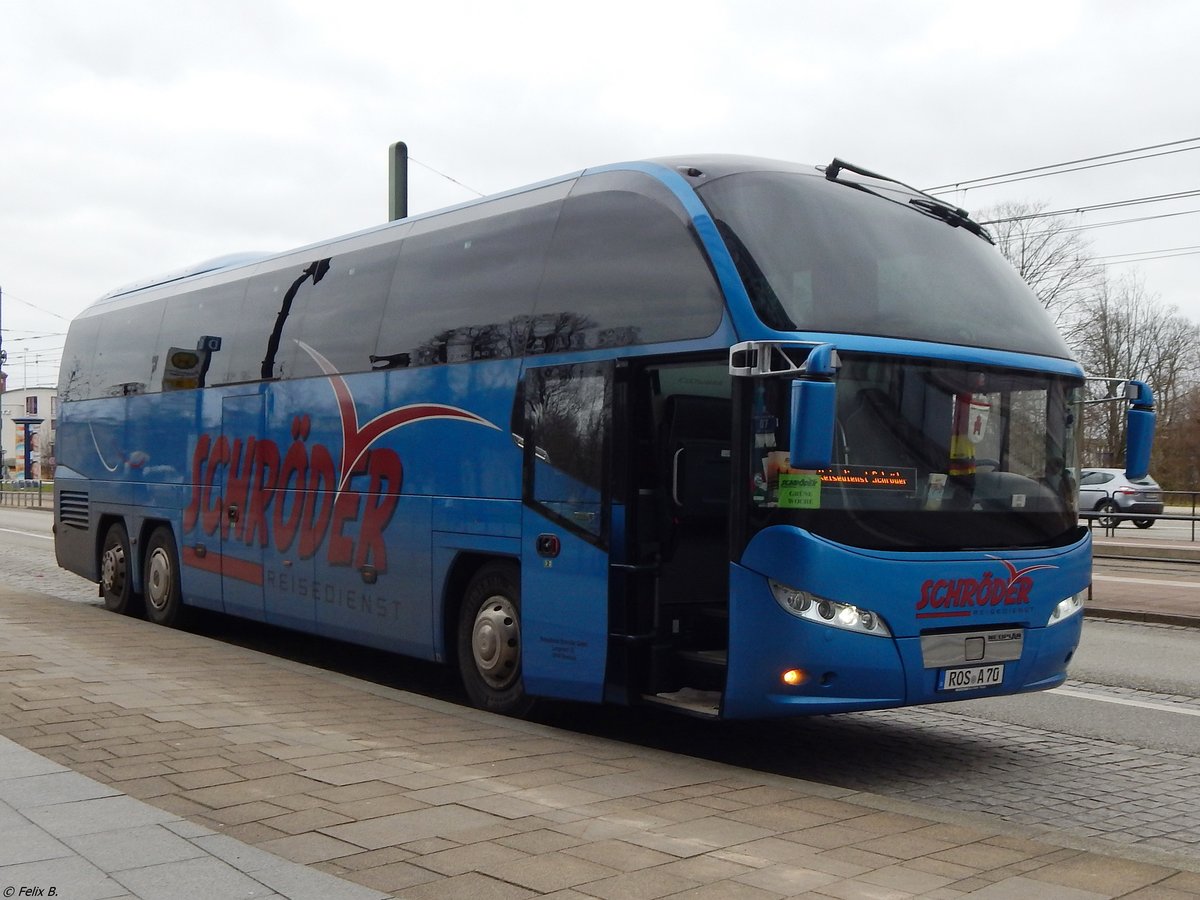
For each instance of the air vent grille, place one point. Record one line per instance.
(73, 508)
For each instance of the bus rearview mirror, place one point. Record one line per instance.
(1139, 437)
(814, 404)
(1139, 429)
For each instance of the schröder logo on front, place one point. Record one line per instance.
(945, 597)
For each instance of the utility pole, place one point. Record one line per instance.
(3, 380)
(397, 181)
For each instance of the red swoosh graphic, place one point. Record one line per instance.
(1014, 573)
(357, 441)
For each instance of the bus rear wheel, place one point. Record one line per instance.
(164, 597)
(489, 641)
(116, 581)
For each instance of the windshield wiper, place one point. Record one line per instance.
(952, 215)
(925, 203)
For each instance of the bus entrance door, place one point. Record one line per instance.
(565, 530)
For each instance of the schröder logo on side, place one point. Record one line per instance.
(956, 597)
(309, 497)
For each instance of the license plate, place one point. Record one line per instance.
(970, 679)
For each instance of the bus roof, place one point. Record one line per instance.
(692, 167)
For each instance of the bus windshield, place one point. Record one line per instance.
(928, 456)
(820, 256)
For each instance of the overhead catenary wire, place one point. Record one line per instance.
(1112, 260)
(1095, 225)
(1119, 259)
(1115, 204)
(1160, 253)
(10, 296)
(1074, 165)
(9, 339)
(1089, 162)
(447, 177)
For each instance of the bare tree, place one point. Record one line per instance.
(1052, 258)
(1130, 334)
(1177, 465)
(1117, 329)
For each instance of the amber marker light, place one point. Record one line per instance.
(794, 677)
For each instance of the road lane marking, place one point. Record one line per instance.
(1195, 585)
(43, 537)
(1125, 701)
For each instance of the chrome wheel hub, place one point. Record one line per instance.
(496, 642)
(158, 579)
(112, 569)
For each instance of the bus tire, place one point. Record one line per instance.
(489, 640)
(163, 595)
(116, 577)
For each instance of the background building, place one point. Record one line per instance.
(28, 403)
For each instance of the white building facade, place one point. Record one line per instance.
(16, 408)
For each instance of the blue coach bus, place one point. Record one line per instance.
(738, 437)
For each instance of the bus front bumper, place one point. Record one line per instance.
(781, 665)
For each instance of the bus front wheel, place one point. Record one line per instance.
(164, 597)
(116, 581)
(489, 640)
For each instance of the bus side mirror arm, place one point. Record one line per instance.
(1139, 421)
(813, 367)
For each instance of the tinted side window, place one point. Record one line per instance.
(332, 300)
(124, 361)
(342, 314)
(625, 268)
(272, 321)
(215, 312)
(76, 376)
(568, 421)
(466, 282)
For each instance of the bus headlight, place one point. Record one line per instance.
(824, 611)
(1066, 608)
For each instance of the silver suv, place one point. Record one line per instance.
(1109, 491)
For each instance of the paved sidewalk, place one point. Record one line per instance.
(62, 831)
(1145, 598)
(157, 763)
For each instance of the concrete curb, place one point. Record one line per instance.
(1142, 616)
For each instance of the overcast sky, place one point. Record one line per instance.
(139, 137)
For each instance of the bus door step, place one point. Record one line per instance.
(689, 700)
(705, 657)
(703, 670)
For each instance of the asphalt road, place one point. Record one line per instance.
(1131, 684)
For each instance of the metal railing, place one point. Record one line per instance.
(30, 494)
(1110, 520)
